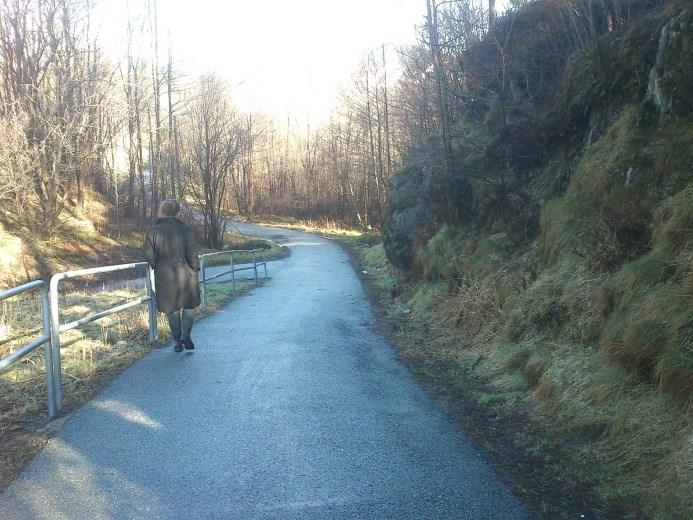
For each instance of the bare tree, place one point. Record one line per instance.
(441, 88)
(213, 139)
(157, 180)
(53, 82)
(172, 148)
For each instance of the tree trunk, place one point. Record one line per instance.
(171, 166)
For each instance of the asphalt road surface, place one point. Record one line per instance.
(291, 407)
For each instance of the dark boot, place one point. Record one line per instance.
(174, 323)
(186, 327)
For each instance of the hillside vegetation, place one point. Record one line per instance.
(86, 236)
(547, 256)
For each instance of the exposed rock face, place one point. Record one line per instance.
(670, 87)
(409, 212)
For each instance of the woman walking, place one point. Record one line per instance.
(168, 248)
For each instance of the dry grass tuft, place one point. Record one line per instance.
(475, 303)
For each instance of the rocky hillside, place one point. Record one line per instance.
(556, 238)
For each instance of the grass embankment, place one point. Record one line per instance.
(87, 237)
(572, 353)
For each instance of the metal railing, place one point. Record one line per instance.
(50, 311)
(232, 269)
(45, 339)
(56, 328)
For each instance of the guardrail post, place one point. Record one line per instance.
(255, 266)
(55, 343)
(264, 262)
(203, 285)
(233, 275)
(48, 352)
(151, 304)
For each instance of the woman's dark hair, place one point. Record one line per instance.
(169, 208)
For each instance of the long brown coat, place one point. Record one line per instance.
(168, 247)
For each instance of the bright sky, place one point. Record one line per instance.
(282, 57)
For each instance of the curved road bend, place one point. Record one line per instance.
(292, 407)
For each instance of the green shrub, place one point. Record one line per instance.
(673, 220)
(538, 311)
(487, 256)
(580, 300)
(440, 258)
(650, 269)
(374, 259)
(650, 333)
(427, 298)
(571, 225)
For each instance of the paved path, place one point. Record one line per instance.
(292, 407)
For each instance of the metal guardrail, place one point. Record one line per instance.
(56, 328)
(45, 339)
(232, 269)
(50, 311)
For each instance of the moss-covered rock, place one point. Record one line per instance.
(670, 80)
(409, 216)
